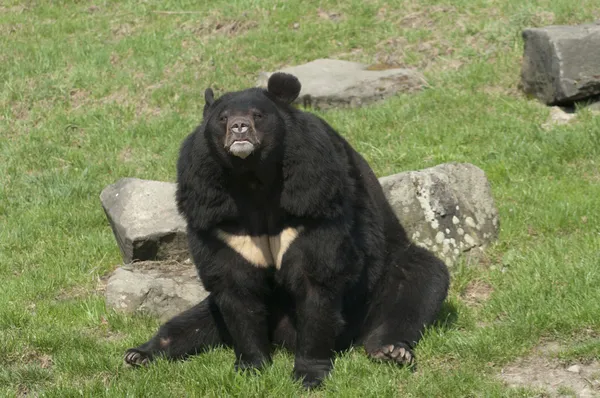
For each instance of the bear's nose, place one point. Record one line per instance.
(239, 125)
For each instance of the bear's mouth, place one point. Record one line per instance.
(241, 148)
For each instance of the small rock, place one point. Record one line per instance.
(574, 369)
(561, 63)
(456, 196)
(145, 220)
(594, 107)
(161, 289)
(329, 83)
(558, 116)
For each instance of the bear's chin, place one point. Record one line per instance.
(241, 149)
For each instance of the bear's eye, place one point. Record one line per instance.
(223, 119)
(257, 116)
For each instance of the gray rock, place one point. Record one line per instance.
(558, 116)
(594, 108)
(161, 289)
(145, 220)
(448, 208)
(328, 83)
(561, 64)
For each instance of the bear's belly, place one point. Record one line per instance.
(262, 250)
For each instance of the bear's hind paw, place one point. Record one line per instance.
(399, 353)
(135, 357)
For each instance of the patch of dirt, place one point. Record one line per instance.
(32, 357)
(477, 257)
(591, 171)
(126, 155)
(543, 18)
(396, 52)
(12, 10)
(510, 89)
(216, 25)
(10, 29)
(166, 265)
(477, 292)
(435, 50)
(78, 97)
(416, 18)
(541, 372)
(23, 391)
(122, 30)
(591, 177)
(20, 110)
(333, 16)
(119, 97)
(72, 293)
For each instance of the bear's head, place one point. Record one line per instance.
(250, 122)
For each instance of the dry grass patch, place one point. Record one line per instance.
(121, 30)
(29, 356)
(400, 53)
(477, 292)
(217, 25)
(327, 15)
(76, 292)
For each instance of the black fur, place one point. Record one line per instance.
(351, 277)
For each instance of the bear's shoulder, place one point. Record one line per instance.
(316, 169)
(201, 195)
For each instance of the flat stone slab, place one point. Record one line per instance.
(161, 289)
(561, 64)
(145, 220)
(331, 83)
(448, 208)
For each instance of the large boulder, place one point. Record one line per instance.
(448, 208)
(161, 289)
(328, 83)
(144, 218)
(561, 64)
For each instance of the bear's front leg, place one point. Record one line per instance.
(246, 318)
(319, 322)
(318, 268)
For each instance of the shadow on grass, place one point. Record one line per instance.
(447, 317)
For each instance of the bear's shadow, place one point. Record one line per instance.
(447, 317)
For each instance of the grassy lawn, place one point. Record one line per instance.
(92, 92)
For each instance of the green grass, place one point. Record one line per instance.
(94, 92)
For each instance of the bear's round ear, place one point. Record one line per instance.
(209, 99)
(209, 96)
(284, 86)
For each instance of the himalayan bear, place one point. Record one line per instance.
(295, 242)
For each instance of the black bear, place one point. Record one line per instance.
(293, 238)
